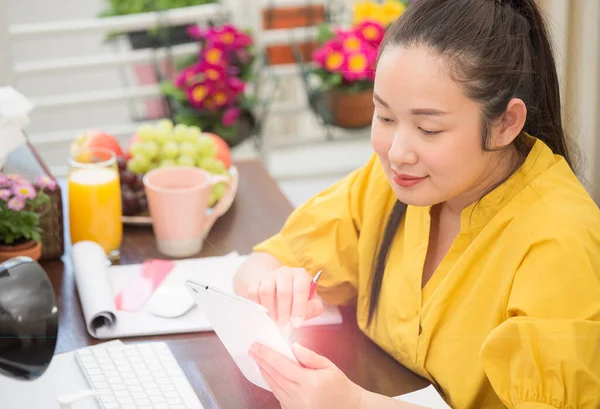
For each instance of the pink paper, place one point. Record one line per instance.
(135, 295)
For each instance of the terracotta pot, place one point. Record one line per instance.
(351, 110)
(29, 249)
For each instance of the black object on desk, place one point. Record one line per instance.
(28, 319)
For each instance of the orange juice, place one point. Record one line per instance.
(95, 207)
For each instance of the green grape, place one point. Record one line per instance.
(167, 162)
(185, 160)
(163, 135)
(137, 149)
(193, 133)
(212, 165)
(150, 149)
(212, 199)
(146, 132)
(189, 149)
(166, 124)
(180, 132)
(217, 192)
(205, 146)
(170, 150)
(138, 164)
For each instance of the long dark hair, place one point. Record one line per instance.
(496, 50)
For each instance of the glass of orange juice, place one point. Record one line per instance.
(95, 199)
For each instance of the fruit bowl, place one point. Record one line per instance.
(143, 218)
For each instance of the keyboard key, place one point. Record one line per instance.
(112, 405)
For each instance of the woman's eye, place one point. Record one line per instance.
(384, 120)
(429, 133)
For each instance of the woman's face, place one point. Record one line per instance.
(427, 133)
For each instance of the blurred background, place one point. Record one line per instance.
(84, 65)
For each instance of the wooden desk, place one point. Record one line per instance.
(259, 211)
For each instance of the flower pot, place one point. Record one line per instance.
(29, 249)
(291, 17)
(350, 109)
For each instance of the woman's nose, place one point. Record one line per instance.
(402, 152)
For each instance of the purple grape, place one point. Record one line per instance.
(138, 184)
(128, 178)
(143, 203)
(122, 163)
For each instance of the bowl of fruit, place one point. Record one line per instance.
(163, 144)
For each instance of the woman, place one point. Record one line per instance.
(488, 284)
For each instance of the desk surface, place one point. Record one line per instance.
(259, 211)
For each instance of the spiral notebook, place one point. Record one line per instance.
(98, 284)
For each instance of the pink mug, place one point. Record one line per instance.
(178, 205)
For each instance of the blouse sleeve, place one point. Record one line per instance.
(322, 234)
(547, 352)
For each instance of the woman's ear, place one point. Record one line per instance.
(512, 123)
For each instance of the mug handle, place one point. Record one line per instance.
(222, 205)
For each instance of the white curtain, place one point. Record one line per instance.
(575, 27)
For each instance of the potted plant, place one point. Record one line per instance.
(20, 207)
(345, 62)
(155, 37)
(212, 90)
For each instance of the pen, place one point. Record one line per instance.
(313, 285)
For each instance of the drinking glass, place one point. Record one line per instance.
(95, 199)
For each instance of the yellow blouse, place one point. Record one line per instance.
(511, 317)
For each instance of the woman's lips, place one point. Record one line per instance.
(407, 180)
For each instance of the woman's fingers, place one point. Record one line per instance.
(284, 284)
(266, 295)
(301, 291)
(314, 308)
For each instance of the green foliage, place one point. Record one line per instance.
(126, 7)
(23, 225)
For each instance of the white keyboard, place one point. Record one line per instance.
(144, 376)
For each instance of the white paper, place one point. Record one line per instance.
(91, 277)
(62, 376)
(427, 397)
(98, 286)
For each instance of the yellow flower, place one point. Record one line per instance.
(390, 11)
(365, 10)
(334, 61)
(357, 62)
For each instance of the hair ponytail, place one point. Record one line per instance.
(544, 118)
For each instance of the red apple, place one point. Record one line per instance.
(134, 139)
(223, 150)
(96, 139)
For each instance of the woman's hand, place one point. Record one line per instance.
(317, 385)
(284, 291)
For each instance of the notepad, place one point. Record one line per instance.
(427, 397)
(98, 283)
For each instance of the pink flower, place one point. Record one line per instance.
(221, 98)
(356, 66)
(198, 93)
(210, 72)
(236, 85)
(24, 190)
(230, 116)
(330, 55)
(45, 182)
(16, 203)
(4, 181)
(187, 77)
(5, 194)
(214, 54)
(196, 32)
(371, 32)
